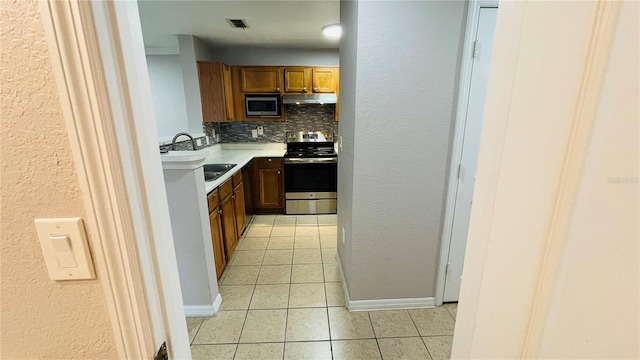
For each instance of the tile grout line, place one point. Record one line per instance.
(374, 334)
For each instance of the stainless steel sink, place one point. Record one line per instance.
(218, 167)
(214, 171)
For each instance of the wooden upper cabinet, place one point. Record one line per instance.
(297, 80)
(261, 79)
(324, 80)
(216, 92)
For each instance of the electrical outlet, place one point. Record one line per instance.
(199, 142)
(343, 236)
(254, 133)
(260, 130)
(340, 143)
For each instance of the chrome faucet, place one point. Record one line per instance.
(193, 141)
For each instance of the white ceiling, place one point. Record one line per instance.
(282, 24)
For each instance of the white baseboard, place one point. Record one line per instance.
(203, 310)
(382, 304)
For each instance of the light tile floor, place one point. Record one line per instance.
(283, 299)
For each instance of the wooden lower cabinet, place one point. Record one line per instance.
(268, 186)
(229, 225)
(241, 214)
(216, 238)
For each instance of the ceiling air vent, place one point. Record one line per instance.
(237, 23)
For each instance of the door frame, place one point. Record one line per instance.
(98, 60)
(464, 86)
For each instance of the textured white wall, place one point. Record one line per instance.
(348, 62)
(404, 93)
(279, 57)
(167, 91)
(41, 318)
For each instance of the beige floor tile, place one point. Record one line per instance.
(328, 241)
(270, 297)
(327, 219)
(268, 351)
(307, 220)
(320, 350)
(248, 257)
(328, 230)
(307, 273)
(307, 295)
(392, 323)
(286, 230)
(278, 257)
(307, 242)
(222, 328)
(208, 352)
(411, 348)
(307, 324)
(193, 324)
(347, 325)
(264, 326)
(307, 230)
(275, 274)
(241, 275)
(263, 220)
(285, 220)
(331, 273)
(335, 294)
(280, 243)
(307, 256)
(355, 349)
(258, 231)
(235, 297)
(452, 308)
(329, 255)
(434, 321)
(439, 346)
(253, 243)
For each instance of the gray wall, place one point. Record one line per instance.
(167, 91)
(281, 57)
(396, 122)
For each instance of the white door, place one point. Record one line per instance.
(469, 158)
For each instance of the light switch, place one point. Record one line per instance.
(254, 133)
(65, 248)
(64, 252)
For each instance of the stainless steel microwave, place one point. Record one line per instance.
(262, 105)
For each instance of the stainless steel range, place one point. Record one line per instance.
(310, 172)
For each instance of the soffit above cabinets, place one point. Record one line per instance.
(277, 24)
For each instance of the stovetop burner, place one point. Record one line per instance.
(310, 144)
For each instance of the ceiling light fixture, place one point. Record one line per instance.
(332, 31)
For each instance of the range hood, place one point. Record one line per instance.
(309, 99)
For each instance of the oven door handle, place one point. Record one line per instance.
(310, 160)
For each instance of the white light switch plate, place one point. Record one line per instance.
(65, 247)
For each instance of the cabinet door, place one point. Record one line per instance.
(228, 91)
(297, 80)
(261, 79)
(271, 188)
(229, 226)
(241, 214)
(216, 238)
(216, 94)
(324, 80)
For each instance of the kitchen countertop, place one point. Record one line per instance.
(239, 154)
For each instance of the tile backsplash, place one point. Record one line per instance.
(308, 117)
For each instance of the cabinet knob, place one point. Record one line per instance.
(220, 211)
(233, 196)
(304, 89)
(278, 172)
(277, 89)
(269, 160)
(315, 89)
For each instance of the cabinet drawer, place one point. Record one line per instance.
(212, 200)
(237, 178)
(269, 163)
(225, 189)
